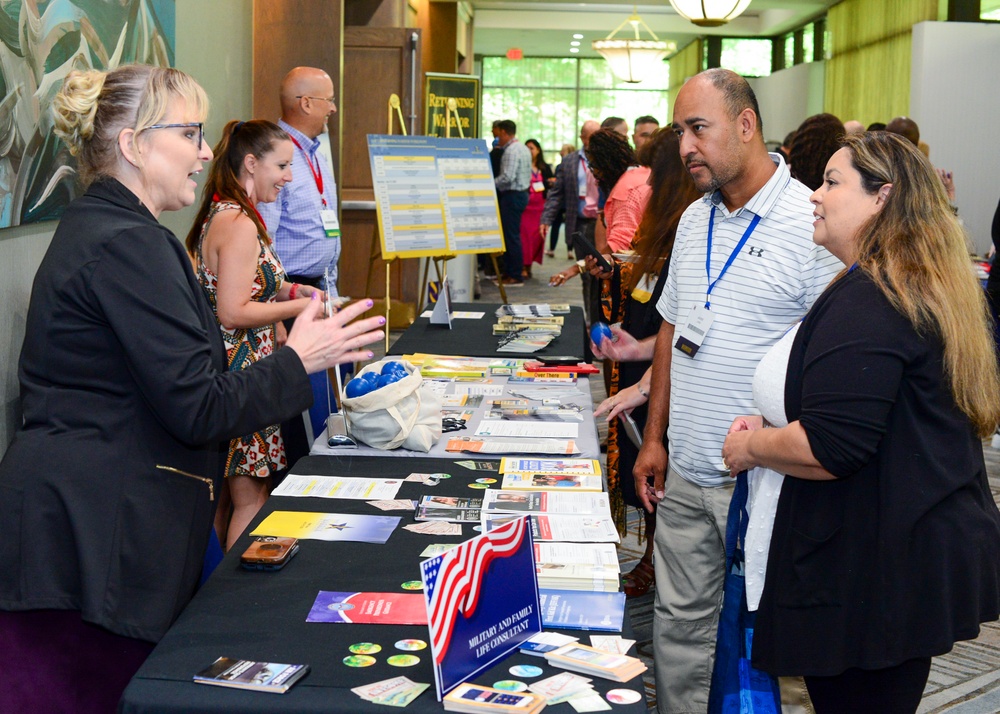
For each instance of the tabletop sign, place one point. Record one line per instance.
(482, 602)
(434, 197)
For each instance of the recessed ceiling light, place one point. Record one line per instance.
(574, 43)
(578, 36)
(574, 50)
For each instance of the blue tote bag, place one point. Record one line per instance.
(738, 688)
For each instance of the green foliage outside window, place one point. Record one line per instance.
(747, 56)
(549, 98)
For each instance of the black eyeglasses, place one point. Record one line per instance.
(328, 100)
(188, 125)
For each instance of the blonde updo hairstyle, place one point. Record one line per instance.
(93, 107)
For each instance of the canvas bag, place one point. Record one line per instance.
(403, 414)
(737, 687)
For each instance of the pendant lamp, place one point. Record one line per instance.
(633, 60)
(710, 13)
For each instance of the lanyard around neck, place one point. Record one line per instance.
(732, 256)
(314, 170)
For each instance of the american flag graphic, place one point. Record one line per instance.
(455, 589)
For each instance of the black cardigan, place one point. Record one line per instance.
(122, 369)
(899, 557)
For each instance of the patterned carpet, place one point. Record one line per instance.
(965, 681)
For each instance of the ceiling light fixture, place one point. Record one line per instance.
(577, 36)
(635, 59)
(574, 50)
(710, 13)
(574, 43)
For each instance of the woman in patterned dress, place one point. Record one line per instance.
(246, 285)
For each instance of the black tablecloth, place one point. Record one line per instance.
(261, 615)
(475, 338)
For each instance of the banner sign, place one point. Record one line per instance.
(482, 602)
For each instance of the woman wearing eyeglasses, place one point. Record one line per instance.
(246, 285)
(107, 492)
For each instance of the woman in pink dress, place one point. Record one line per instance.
(532, 242)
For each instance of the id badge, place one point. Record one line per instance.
(538, 186)
(694, 330)
(331, 226)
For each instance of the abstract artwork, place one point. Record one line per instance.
(41, 41)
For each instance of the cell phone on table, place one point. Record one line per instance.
(588, 248)
(559, 360)
(269, 553)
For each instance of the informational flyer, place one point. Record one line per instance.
(434, 197)
(368, 607)
(328, 526)
(338, 487)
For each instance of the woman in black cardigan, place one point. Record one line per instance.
(107, 492)
(886, 542)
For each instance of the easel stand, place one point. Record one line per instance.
(499, 274)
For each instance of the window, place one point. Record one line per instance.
(747, 56)
(549, 97)
(989, 10)
(789, 50)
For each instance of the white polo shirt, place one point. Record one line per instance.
(774, 279)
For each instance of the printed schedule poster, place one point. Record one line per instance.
(435, 197)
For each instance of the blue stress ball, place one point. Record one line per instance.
(600, 332)
(391, 367)
(358, 387)
(385, 379)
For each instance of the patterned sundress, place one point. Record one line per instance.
(262, 453)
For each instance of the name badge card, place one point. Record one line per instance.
(331, 226)
(693, 331)
(538, 186)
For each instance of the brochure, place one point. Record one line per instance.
(368, 607)
(575, 529)
(255, 676)
(328, 526)
(548, 502)
(573, 610)
(338, 487)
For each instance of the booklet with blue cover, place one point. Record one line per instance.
(580, 610)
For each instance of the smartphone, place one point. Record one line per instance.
(589, 249)
(559, 359)
(269, 553)
(631, 429)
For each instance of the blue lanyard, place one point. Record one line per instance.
(732, 256)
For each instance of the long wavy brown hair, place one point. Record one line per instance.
(239, 139)
(673, 191)
(915, 251)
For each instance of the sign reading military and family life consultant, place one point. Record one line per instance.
(482, 602)
(434, 197)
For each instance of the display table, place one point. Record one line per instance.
(261, 615)
(577, 395)
(475, 338)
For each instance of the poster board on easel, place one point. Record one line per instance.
(434, 197)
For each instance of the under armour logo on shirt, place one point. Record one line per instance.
(755, 251)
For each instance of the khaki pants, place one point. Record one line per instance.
(690, 558)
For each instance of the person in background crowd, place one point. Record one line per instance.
(496, 151)
(512, 191)
(644, 128)
(816, 140)
(575, 193)
(616, 124)
(634, 291)
(853, 126)
(757, 216)
(908, 129)
(885, 547)
(246, 285)
(557, 221)
(303, 221)
(107, 492)
(532, 243)
(876, 126)
(786, 145)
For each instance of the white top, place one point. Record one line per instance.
(777, 276)
(765, 484)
